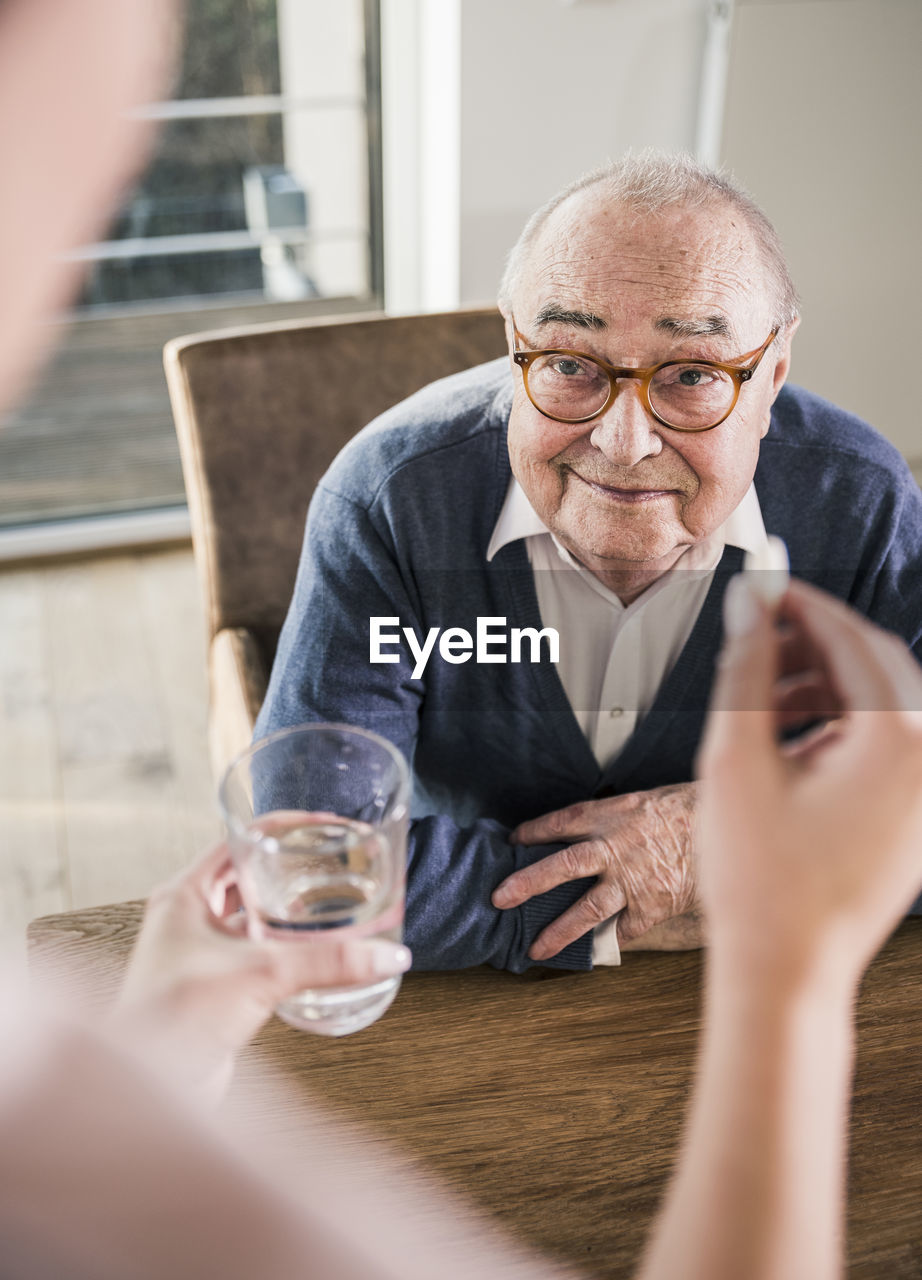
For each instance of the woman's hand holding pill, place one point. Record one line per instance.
(806, 862)
(804, 701)
(768, 570)
(810, 857)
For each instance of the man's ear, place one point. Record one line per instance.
(782, 366)
(783, 360)
(505, 311)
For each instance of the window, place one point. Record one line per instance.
(262, 201)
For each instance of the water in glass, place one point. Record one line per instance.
(324, 872)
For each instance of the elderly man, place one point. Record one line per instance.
(588, 501)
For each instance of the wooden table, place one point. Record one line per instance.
(556, 1100)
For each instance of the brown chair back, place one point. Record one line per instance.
(260, 414)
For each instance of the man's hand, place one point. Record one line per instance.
(681, 933)
(638, 845)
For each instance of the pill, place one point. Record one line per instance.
(769, 568)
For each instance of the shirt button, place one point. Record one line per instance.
(616, 712)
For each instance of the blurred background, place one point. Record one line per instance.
(321, 158)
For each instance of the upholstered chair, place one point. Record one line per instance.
(260, 413)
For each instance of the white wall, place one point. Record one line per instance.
(490, 106)
(321, 46)
(823, 107)
(550, 89)
(421, 172)
(823, 100)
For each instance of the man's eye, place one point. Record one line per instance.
(688, 377)
(691, 377)
(568, 367)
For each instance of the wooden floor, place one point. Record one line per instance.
(105, 786)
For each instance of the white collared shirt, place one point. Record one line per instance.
(615, 657)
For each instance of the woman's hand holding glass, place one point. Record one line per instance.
(198, 985)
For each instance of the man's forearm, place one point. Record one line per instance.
(759, 1187)
(451, 922)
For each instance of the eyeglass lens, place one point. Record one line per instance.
(687, 396)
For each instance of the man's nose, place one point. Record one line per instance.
(626, 433)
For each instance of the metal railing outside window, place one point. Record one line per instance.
(262, 201)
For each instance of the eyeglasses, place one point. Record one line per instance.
(686, 395)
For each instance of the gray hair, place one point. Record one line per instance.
(651, 180)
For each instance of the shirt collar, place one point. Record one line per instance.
(744, 527)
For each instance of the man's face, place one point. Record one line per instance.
(622, 492)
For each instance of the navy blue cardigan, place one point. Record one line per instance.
(399, 527)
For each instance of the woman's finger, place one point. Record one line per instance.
(337, 962)
(805, 698)
(866, 667)
(209, 867)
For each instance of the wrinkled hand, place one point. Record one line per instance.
(812, 856)
(201, 987)
(638, 845)
(681, 933)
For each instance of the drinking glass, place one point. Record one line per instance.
(317, 825)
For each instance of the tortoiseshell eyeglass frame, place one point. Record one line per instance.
(740, 371)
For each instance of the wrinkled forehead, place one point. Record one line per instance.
(625, 265)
